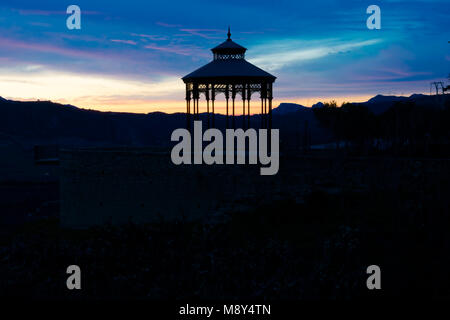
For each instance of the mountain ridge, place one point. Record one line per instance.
(282, 109)
(45, 122)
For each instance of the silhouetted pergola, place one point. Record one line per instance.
(231, 74)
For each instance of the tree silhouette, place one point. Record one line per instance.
(404, 128)
(352, 123)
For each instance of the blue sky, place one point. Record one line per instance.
(130, 55)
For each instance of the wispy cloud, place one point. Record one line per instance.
(88, 91)
(251, 32)
(177, 49)
(48, 48)
(124, 41)
(150, 36)
(168, 25)
(24, 12)
(315, 52)
(204, 33)
(275, 56)
(40, 24)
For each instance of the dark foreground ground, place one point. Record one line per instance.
(318, 249)
(330, 217)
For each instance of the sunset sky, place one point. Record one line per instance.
(130, 55)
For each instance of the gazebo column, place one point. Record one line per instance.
(195, 95)
(207, 103)
(197, 98)
(233, 97)
(213, 97)
(188, 107)
(227, 96)
(262, 95)
(270, 113)
(198, 108)
(188, 114)
(249, 96)
(248, 112)
(270, 106)
(265, 112)
(262, 112)
(243, 105)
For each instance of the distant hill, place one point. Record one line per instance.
(380, 103)
(385, 99)
(285, 108)
(45, 122)
(42, 122)
(317, 105)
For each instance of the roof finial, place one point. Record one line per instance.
(229, 33)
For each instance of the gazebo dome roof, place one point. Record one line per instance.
(229, 64)
(230, 69)
(228, 46)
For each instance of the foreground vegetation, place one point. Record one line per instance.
(316, 249)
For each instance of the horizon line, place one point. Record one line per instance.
(177, 106)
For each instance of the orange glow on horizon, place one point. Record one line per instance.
(117, 94)
(175, 106)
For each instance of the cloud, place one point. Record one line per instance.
(150, 36)
(124, 41)
(48, 48)
(275, 56)
(204, 33)
(251, 32)
(89, 90)
(24, 12)
(180, 50)
(303, 41)
(40, 24)
(167, 25)
(107, 59)
(54, 36)
(33, 67)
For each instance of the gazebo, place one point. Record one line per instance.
(231, 74)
